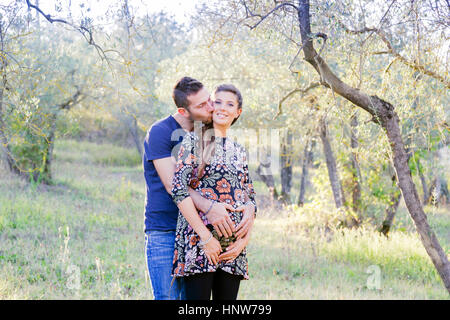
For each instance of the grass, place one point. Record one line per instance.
(87, 229)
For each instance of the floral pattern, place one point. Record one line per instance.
(225, 179)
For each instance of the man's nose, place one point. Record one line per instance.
(210, 106)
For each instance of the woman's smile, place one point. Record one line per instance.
(221, 115)
(225, 108)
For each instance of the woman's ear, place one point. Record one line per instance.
(239, 112)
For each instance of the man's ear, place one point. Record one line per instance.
(183, 112)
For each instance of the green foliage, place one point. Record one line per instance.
(94, 223)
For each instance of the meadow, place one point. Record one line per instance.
(82, 238)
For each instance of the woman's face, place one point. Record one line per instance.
(225, 108)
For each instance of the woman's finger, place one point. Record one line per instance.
(242, 228)
(216, 259)
(229, 207)
(218, 227)
(224, 228)
(230, 247)
(229, 254)
(209, 259)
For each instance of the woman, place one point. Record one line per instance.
(220, 173)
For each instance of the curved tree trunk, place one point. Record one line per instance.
(383, 113)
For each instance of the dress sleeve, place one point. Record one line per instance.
(186, 163)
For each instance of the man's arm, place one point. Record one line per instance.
(165, 168)
(217, 215)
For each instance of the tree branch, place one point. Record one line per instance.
(303, 91)
(415, 66)
(250, 14)
(85, 32)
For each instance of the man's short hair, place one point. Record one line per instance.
(183, 88)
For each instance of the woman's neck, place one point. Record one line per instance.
(220, 131)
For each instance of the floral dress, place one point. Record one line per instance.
(224, 179)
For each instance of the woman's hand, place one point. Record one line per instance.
(234, 249)
(212, 249)
(248, 218)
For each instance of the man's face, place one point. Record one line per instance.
(200, 106)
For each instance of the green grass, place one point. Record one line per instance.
(105, 154)
(90, 224)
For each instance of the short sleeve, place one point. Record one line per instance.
(157, 144)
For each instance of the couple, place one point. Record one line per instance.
(200, 203)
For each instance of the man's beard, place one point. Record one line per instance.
(205, 122)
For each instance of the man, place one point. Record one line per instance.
(193, 104)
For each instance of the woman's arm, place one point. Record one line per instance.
(180, 194)
(212, 246)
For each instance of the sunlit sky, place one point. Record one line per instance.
(181, 9)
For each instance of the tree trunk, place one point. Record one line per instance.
(286, 168)
(355, 170)
(307, 159)
(336, 186)
(134, 131)
(383, 113)
(265, 173)
(390, 123)
(46, 175)
(4, 143)
(391, 209)
(422, 181)
(438, 188)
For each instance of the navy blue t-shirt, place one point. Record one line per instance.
(161, 212)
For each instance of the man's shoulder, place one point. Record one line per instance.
(164, 124)
(164, 127)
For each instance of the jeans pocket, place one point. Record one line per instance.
(160, 248)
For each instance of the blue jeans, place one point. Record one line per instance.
(159, 247)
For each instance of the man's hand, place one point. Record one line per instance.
(218, 216)
(246, 223)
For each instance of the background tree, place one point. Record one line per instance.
(270, 18)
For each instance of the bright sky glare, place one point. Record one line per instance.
(180, 9)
